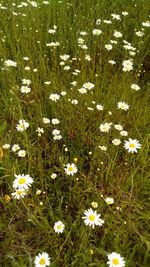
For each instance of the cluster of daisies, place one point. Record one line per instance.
(21, 185)
(16, 148)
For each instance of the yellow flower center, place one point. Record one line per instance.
(22, 181)
(22, 126)
(59, 227)
(42, 261)
(70, 169)
(115, 261)
(92, 218)
(109, 202)
(104, 128)
(132, 145)
(20, 192)
(122, 106)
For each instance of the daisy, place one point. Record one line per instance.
(115, 16)
(42, 259)
(112, 62)
(40, 131)
(22, 181)
(54, 97)
(26, 81)
(59, 227)
(123, 105)
(94, 204)
(20, 193)
(6, 146)
(57, 137)
(125, 13)
(127, 65)
(55, 121)
(132, 145)
(117, 34)
(21, 153)
(55, 132)
(135, 87)
(23, 125)
(53, 175)
(70, 169)
(91, 218)
(146, 23)
(25, 89)
(108, 46)
(74, 101)
(118, 127)
(97, 32)
(109, 200)
(115, 260)
(10, 63)
(104, 127)
(88, 85)
(116, 142)
(124, 133)
(46, 120)
(47, 82)
(64, 57)
(15, 147)
(82, 90)
(103, 148)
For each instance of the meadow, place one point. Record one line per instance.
(74, 133)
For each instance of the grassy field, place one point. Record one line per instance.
(74, 88)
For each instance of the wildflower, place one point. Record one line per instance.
(109, 200)
(67, 68)
(97, 32)
(108, 46)
(115, 260)
(139, 33)
(22, 126)
(19, 193)
(27, 68)
(135, 87)
(15, 147)
(6, 146)
(74, 83)
(127, 65)
(118, 127)
(124, 133)
(55, 121)
(98, 21)
(59, 227)
(46, 120)
(42, 259)
(40, 131)
(99, 107)
(125, 13)
(117, 34)
(146, 23)
(53, 175)
(57, 137)
(55, 132)
(70, 169)
(83, 33)
(107, 21)
(88, 85)
(47, 82)
(52, 31)
(21, 153)
(82, 90)
(87, 57)
(64, 57)
(26, 81)
(22, 181)
(132, 145)
(123, 105)
(38, 192)
(74, 101)
(116, 142)
(103, 148)
(63, 93)
(115, 16)
(10, 63)
(54, 97)
(25, 89)
(112, 62)
(91, 218)
(104, 127)
(26, 58)
(94, 204)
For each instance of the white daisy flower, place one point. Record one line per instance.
(132, 145)
(108, 46)
(10, 63)
(22, 181)
(146, 23)
(55, 132)
(82, 90)
(123, 133)
(20, 193)
(55, 121)
(22, 126)
(109, 200)
(57, 137)
(6, 146)
(112, 62)
(54, 97)
(99, 107)
(116, 142)
(40, 131)
(74, 101)
(135, 87)
(127, 65)
(118, 127)
(97, 32)
(15, 147)
(104, 127)
(25, 89)
(59, 227)
(115, 16)
(26, 81)
(53, 175)
(46, 120)
(64, 57)
(123, 105)
(70, 169)
(88, 85)
(117, 34)
(42, 259)
(21, 153)
(91, 218)
(115, 260)
(94, 204)
(103, 148)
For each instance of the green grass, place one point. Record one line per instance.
(26, 225)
